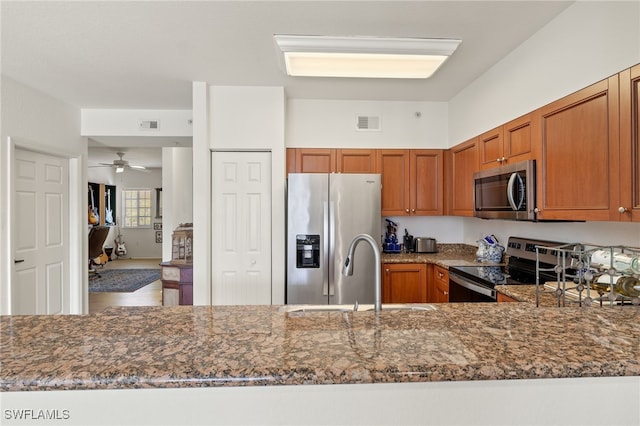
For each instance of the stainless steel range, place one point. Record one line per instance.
(477, 283)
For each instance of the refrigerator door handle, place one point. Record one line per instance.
(325, 249)
(332, 246)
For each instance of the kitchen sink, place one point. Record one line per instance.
(361, 308)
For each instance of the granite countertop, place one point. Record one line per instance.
(202, 346)
(447, 255)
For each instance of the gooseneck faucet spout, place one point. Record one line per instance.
(348, 265)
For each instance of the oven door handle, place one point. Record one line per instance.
(472, 286)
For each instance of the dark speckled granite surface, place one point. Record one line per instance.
(184, 346)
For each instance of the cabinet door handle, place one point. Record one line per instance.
(407, 210)
(18, 261)
(387, 270)
(413, 210)
(623, 209)
(446, 293)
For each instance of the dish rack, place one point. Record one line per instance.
(590, 275)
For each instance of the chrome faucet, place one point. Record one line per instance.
(348, 265)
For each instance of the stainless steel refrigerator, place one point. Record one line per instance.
(324, 213)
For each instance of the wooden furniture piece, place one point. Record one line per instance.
(412, 181)
(507, 144)
(578, 176)
(502, 298)
(462, 162)
(404, 283)
(629, 208)
(331, 160)
(440, 285)
(177, 274)
(177, 284)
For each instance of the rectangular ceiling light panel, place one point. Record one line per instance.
(368, 57)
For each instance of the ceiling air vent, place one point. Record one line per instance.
(149, 125)
(370, 123)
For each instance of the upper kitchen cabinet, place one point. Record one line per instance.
(356, 161)
(393, 165)
(630, 145)
(331, 160)
(509, 143)
(312, 160)
(578, 175)
(462, 163)
(426, 183)
(412, 181)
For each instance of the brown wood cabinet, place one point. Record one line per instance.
(394, 167)
(501, 298)
(578, 175)
(404, 283)
(426, 182)
(412, 181)
(440, 285)
(462, 163)
(314, 160)
(356, 161)
(331, 160)
(629, 208)
(507, 144)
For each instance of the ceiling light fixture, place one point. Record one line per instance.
(119, 169)
(365, 57)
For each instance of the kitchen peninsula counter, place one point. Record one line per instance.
(205, 346)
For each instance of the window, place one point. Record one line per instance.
(137, 208)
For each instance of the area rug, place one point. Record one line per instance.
(122, 280)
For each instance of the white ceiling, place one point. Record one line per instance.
(111, 54)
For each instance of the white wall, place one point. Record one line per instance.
(39, 122)
(177, 193)
(126, 122)
(316, 123)
(237, 119)
(586, 43)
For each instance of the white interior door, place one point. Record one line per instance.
(40, 283)
(241, 214)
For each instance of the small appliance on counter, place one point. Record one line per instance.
(425, 245)
(409, 244)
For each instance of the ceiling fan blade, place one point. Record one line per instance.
(106, 164)
(138, 167)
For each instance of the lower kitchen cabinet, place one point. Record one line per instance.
(440, 285)
(404, 283)
(504, 298)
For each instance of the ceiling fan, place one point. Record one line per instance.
(120, 164)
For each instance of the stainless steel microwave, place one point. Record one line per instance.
(506, 192)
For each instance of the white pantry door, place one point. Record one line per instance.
(241, 240)
(40, 282)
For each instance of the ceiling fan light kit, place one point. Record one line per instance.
(120, 164)
(363, 57)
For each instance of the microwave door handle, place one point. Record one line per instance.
(512, 182)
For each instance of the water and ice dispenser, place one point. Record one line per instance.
(307, 251)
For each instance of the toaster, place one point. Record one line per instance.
(425, 245)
